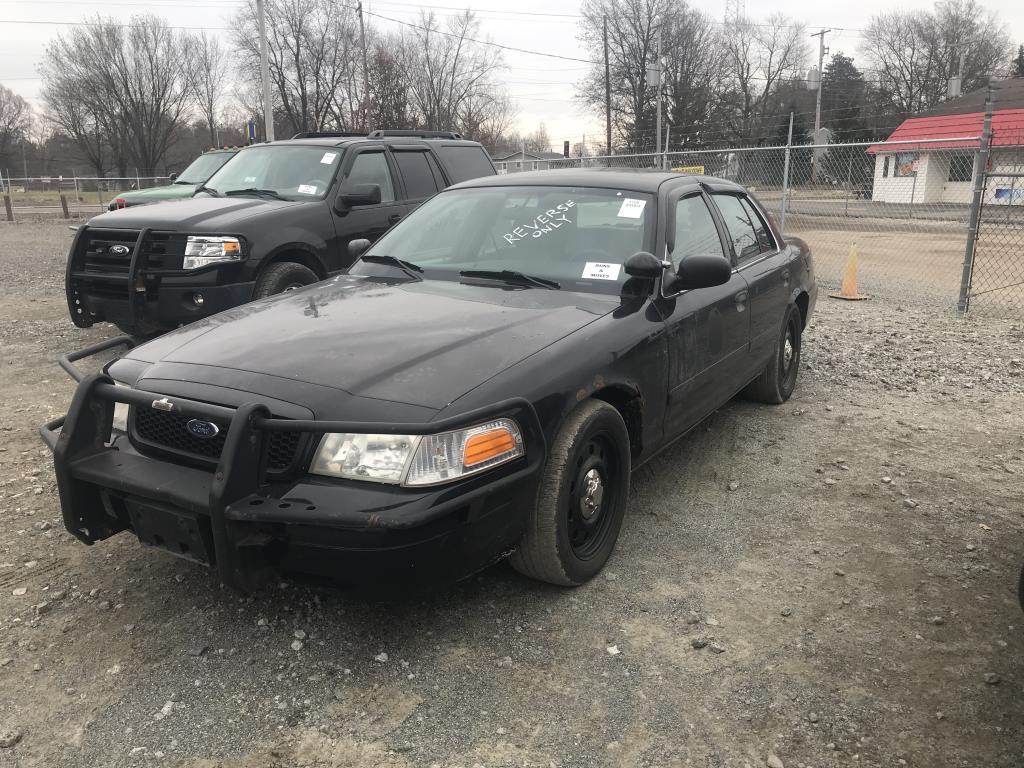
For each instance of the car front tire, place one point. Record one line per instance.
(581, 501)
(778, 380)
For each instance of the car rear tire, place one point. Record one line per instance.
(283, 276)
(581, 501)
(778, 380)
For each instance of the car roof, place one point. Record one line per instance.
(635, 179)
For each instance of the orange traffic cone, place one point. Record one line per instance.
(848, 290)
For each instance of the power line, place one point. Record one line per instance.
(99, 24)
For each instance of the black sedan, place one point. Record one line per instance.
(479, 385)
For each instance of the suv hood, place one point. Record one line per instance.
(421, 343)
(194, 214)
(164, 192)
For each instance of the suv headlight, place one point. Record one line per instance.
(202, 250)
(413, 460)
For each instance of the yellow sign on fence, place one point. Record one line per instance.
(697, 170)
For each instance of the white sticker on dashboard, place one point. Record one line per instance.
(328, 158)
(307, 189)
(598, 270)
(631, 208)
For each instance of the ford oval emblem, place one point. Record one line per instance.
(119, 250)
(204, 430)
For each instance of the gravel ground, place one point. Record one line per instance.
(826, 583)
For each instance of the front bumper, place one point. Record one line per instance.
(235, 520)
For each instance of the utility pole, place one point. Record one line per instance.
(366, 69)
(268, 105)
(822, 50)
(607, 93)
(658, 92)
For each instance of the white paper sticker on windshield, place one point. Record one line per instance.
(549, 221)
(631, 208)
(307, 189)
(598, 270)
(328, 158)
(250, 179)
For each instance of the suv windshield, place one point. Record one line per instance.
(203, 167)
(298, 172)
(578, 237)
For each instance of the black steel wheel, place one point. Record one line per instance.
(778, 380)
(581, 500)
(283, 276)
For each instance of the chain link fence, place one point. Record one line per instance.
(78, 196)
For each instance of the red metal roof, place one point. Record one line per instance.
(1007, 131)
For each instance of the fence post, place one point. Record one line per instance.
(849, 177)
(785, 178)
(980, 183)
(64, 205)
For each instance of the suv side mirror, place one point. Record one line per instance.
(357, 248)
(644, 264)
(701, 272)
(173, 177)
(359, 194)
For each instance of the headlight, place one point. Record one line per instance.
(416, 461)
(120, 423)
(202, 250)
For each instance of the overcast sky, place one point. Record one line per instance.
(542, 87)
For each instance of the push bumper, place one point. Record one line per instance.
(234, 520)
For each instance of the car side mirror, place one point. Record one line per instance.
(357, 248)
(644, 264)
(173, 177)
(358, 194)
(700, 272)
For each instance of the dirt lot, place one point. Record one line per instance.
(859, 581)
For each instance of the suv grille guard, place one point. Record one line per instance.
(240, 472)
(76, 306)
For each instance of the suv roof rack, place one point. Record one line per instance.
(328, 135)
(382, 133)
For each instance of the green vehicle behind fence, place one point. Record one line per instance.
(181, 186)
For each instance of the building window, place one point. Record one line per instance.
(906, 165)
(961, 167)
(885, 168)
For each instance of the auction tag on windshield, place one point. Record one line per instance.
(631, 208)
(597, 270)
(307, 189)
(328, 158)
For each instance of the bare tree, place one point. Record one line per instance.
(15, 121)
(209, 78)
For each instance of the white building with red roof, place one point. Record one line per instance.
(940, 168)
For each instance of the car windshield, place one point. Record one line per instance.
(578, 237)
(203, 167)
(299, 172)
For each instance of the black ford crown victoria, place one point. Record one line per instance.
(480, 383)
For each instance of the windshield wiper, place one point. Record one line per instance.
(253, 191)
(511, 276)
(208, 190)
(412, 270)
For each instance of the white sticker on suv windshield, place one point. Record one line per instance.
(249, 179)
(307, 189)
(328, 158)
(631, 208)
(598, 270)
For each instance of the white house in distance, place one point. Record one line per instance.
(942, 172)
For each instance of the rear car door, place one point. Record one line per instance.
(765, 267)
(372, 165)
(422, 177)
(709, 328)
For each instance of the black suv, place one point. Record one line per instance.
(276, 216)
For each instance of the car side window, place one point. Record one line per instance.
(419, 181)
(436, 170)
(741, 231)
(372, 168)
(696, 233)
(764, 236)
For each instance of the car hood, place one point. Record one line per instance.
(420, 343)
(166, 192)
(194, 214)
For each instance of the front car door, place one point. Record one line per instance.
(371, 165)
(764, 265)
(709, 328)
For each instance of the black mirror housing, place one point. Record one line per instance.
(700, 272)
(643, 264)
(359, 194)
(357, 248)
(173, 177)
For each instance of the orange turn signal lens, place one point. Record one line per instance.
(484, 446)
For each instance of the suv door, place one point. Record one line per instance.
(421, 175)
(764, 266)
(709, 328)
(372, 165)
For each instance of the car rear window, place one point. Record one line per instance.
(465, 162)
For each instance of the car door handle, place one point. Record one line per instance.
(785, 277)
(741, 301)
(394, 217)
